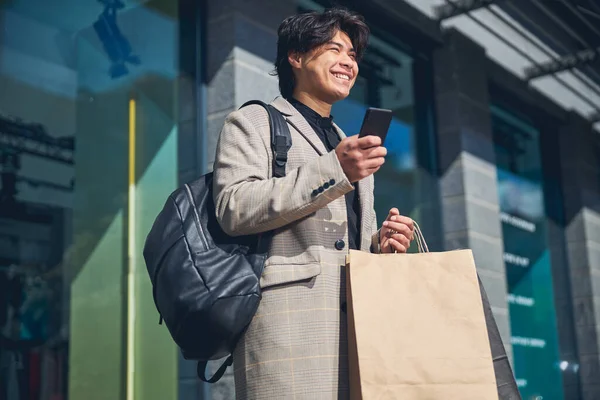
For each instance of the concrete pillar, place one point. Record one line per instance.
(550, 151)
(241, 50)
(468, 182)
(580, 168)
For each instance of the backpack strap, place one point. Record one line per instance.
(281, 142)
(201, 370)
(281, 139)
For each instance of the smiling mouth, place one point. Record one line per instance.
(343, 77)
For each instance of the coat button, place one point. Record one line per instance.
(326, 185)
(332, 182)
(340, 244)
(321, 189)
(315, 192)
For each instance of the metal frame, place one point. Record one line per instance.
(399, 18)
(579, 15)
(575, 59)
(41, 183)
(563, 63)
(32, 139)
(459, 7)
(554, 59)
(522, 53)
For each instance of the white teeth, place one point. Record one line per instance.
(346, 77)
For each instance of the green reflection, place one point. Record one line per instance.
(68, 71)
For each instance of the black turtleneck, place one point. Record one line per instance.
(323, 126)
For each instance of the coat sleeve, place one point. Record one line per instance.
(248, 200)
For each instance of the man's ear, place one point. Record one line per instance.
(295, 59)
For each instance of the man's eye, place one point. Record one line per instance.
(335, 49)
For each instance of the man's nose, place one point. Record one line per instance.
(346, 62)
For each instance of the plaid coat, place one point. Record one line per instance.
(296, 345)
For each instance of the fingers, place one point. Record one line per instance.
(376, 152)
(397, 246)
(394, 221)
(402, 239)
(360, 157)
(401, 229)
(398, 231)
(374, 163)
(369, 141)
(393, 211)
(369, 146)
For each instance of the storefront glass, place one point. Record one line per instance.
(89, 151)
(527, 259)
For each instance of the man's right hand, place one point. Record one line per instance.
(360, 157)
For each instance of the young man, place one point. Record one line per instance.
(296, 345)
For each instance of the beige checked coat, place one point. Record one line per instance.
(296, 345)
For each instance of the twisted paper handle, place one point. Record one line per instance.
(421, 243)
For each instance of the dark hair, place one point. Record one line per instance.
(303, 32)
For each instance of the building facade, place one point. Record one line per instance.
(106, 107)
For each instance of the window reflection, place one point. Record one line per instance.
(69, 73)
(527, 257)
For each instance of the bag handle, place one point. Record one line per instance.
(420, 239)
(421, 243)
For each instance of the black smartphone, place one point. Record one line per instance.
(377, 122)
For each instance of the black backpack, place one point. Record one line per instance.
(205, 283)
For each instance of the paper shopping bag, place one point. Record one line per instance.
(417, 328)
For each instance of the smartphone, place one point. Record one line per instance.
(377, 122)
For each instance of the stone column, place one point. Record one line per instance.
(471, 214)
(241, 49)
(550, 151)
(580, 168)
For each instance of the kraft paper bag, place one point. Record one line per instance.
(416, 328)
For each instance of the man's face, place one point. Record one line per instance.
(327, 72)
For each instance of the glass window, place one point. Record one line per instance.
(527, 260)
(89, 120)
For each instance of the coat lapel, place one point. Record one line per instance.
(296, 119)
(365, 187)
(365, 190)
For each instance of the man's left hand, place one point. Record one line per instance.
(397, 233)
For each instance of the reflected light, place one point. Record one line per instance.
(131, 248)
(563, 365)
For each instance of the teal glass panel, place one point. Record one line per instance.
(534, 336)
(89, 132)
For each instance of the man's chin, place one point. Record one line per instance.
(338, 96)
(332, 96)
(342, 96)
